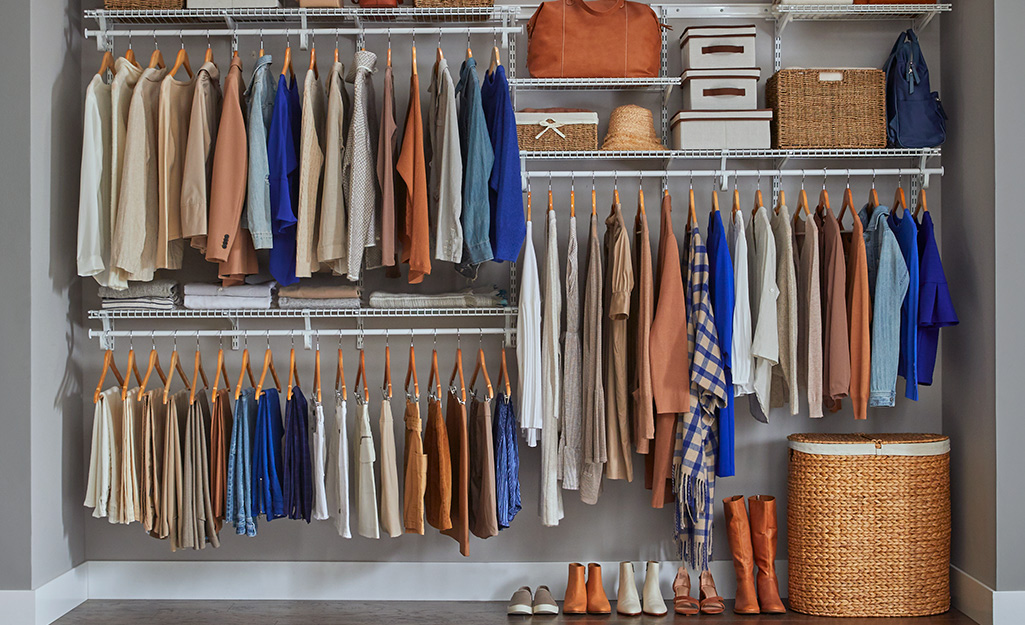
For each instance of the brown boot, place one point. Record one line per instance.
(763, 539)
(738, 530)
(597, 602)
(576, 591)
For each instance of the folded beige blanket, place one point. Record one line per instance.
(312, 291)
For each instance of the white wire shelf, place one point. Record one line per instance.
(281, 313)
(277, 15)
(733, 154)
(857, 11)
(653, 84)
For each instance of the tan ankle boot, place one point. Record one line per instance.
(763, 539)
(576, 591)
(597, 602)
(738, 530)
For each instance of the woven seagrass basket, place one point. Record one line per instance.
(827, 108)
(868, 524)
(557, 131)
(143, 5)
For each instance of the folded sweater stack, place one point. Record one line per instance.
(463, 299)
(156, 295)
(217, 297)
(299, 296)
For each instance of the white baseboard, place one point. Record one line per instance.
(47, 603)
(367, 581)
(982, 604)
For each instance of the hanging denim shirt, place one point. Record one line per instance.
(267, 461)
(239, 509)
(259, 109)
(906, 232)
(507, 461)
(283, 157)
(478, 157)
(508, 226)
(888, 284)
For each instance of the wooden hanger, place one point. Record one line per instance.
(180, 61)
(268, 365)
(247, 367)
(313, 62)
(759, 202)
(823, 202)
(715, 201)
(615, 197)
(848, 202)
(411, 373)
(551, 206)
(440, 56)
(361, 375)
(130, 55)
(496, 60)
(736, 201)
(594, 201)
(157, 58)
(154, 365)
(458, 369)
(221, 371)
(316, 375)
(572, 203)
(108, 365)
(899, 200)
(640, 203)
(782, 200)
(528, 205)
(293, 374)
(197, 374)
(386, 387)
(336, 52)
(802, 205)
(107, 64)
(176, 365)
(209, 56)
(503, 374)
(132, 370)
(873, 197)
(340, 377)
(922, 205)
(286, 67)
(482, 367)
(434, 380)
(692, 216)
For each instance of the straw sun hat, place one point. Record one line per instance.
(631, 127)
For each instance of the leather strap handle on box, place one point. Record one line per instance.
(724, 91)
(722, 49)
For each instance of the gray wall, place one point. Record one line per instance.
(623, 512)
(16, 517)
(968, 236)
(1009, 87)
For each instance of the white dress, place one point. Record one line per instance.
(743, 363)
(319, 435)
(338, 476)
(528, 343)
(551, 373)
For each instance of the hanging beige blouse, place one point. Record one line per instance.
(199, 155)
(133, 245)
(311, 169)
(172, 482)
(619, 283)
(391, 516)
(121, 89)
(172, 136)
(332, 248)
(154, 422)
(809, 314)
(129, 499)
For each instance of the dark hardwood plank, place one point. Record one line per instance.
(414, 613)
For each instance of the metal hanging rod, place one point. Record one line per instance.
(725, 174)
(299, 332)
(103, 37)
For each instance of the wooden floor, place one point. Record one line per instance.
(411, 613)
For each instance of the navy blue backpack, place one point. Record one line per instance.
(914, 115)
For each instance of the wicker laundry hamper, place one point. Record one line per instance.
(828, 108)
(868, 524)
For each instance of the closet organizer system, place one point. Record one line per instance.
(314, 482)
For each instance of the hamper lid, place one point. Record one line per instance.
(870, 444)
(752, 73)
(721, 115)
(747, 30)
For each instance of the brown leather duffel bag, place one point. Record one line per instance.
(598, 39)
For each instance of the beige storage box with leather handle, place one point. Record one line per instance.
(868, 524)
(720, 89)
(718, 47)
(721, 130)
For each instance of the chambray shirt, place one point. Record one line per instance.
(260, 108)
(888, 284)
(508, 226)
(906, 231)
(283, 155)
(722, 292)
(507, 461)
(267, 461)
(239, 510)
(478, 157)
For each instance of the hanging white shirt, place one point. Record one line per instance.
(551, 495)
(94, 193)
(528, 344)
(320, 508)
(765, 339)
(743, 361)
(338, 487)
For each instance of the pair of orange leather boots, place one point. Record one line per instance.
(754, 542)
(585, 598)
